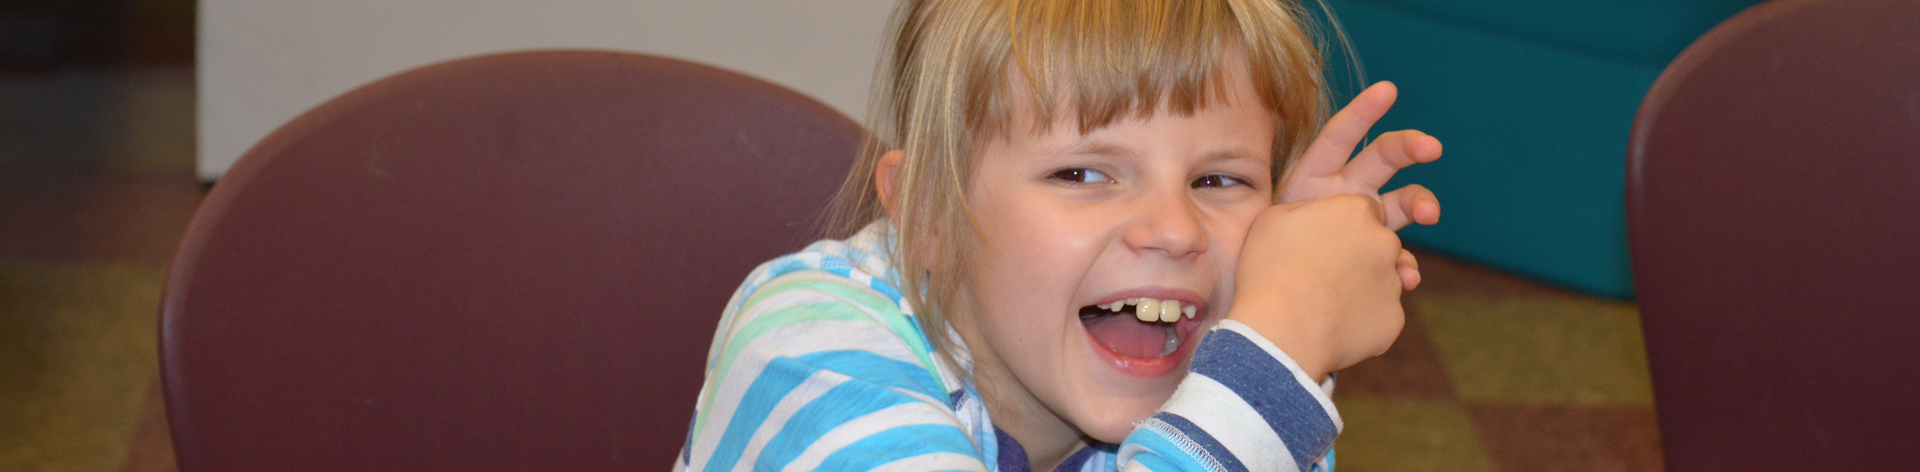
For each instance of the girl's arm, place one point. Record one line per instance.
(1244, 406)
(1315, 291)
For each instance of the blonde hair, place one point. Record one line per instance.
(947, 83)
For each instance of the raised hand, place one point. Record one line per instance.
(1324, 169)
(1317, 278)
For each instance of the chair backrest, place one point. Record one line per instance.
(510, 262)
(1773, 209)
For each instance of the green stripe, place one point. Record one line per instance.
(824, 310)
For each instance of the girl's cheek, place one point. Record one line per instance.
(1230, 239)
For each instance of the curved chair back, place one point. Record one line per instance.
(510, 262)
(1774, 215)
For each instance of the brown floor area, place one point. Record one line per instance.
(83, 254)
(96, 186)
(151, 447)
(1410, 369)
(1541, 437)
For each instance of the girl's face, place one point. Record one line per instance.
(1151, 208)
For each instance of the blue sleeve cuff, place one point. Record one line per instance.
(1245, 405)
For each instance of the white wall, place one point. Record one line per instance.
(263, 62)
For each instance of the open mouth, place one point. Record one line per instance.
(1140, 328)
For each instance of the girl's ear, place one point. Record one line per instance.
(885, 182)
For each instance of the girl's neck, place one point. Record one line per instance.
(1047, 438)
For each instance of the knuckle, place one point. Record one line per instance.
(1368, 203)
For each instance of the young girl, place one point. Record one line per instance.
(1067, 254)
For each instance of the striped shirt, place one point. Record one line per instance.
(819, 364)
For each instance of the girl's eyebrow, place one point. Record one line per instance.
(1232, 154)
(1096, 147)
(1084, 146)
(1088, 146)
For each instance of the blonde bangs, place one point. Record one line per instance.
(1122, 59)
(958, 69)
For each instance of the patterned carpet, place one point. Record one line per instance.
(1493, 373)
(1497, 373)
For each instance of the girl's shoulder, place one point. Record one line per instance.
(859, 261)
(835, 295)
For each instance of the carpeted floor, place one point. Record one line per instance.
(96, 185)
(1497, 373)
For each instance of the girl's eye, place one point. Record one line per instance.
(1216, 180)
(1080, 175)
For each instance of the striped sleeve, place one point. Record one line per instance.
(813, 373)
(1244, 406)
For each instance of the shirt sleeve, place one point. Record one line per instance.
(818, 375)
(1244, 406)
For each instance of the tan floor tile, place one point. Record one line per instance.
(1540, 351)
(1406, 436)
(77, 354)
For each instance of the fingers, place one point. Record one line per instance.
(1410, 204)
(1409, 269)
(1393, 151)
(1343, 132)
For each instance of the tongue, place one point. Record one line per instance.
(1127, 335)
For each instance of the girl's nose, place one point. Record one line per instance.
(1167, 222)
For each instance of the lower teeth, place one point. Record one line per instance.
(1173, 341)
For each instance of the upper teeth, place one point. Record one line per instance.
(1153, 309)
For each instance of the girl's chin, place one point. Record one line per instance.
(1123, 399)
(1112, 423)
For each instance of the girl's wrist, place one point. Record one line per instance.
(1307, 350)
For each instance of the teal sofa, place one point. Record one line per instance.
(1533, 100)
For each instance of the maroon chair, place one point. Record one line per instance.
(511, 262)
(1773, 206)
